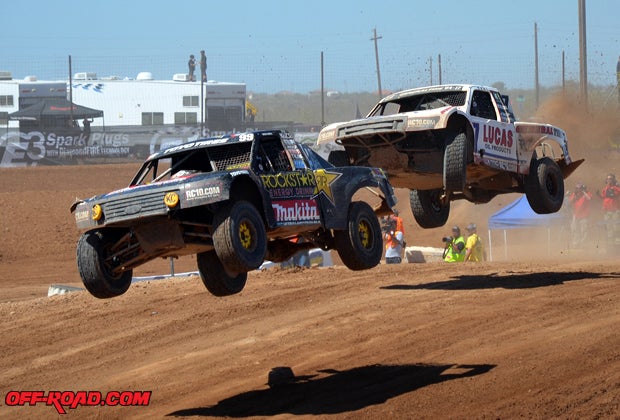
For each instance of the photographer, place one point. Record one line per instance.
(611, 208)
(579, 200)
(394, 238)
(454, 250)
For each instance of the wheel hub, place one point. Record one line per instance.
(364, 233)
(245, 235)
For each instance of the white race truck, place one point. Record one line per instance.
(451, 142)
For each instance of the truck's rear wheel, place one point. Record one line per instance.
(239, 237)
(360, 246)
(544, 186)
(96, 263)
(428, 209)
(215, 278)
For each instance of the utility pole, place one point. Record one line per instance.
(322, 94)
(70, 90)
(430, 69)
(563, 72)
(583, 56)
(375, 38)
(439, 67)
(537, 87)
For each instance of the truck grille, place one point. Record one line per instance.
(134, 207)
(373, 126)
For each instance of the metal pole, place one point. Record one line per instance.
(202, 107)
(70, 90)
(430, 69)
(563, 72)
(618, 79)
(439, 65)
(375, 38)
(322, 93)
(583, 55)
(537, 87)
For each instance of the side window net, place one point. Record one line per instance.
(226, 156)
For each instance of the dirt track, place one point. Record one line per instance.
(494, 340)
(536, 337)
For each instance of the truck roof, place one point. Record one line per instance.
(212, 142)
(435, 88)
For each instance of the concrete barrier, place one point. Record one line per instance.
(423, 254)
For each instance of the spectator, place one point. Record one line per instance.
(454, 246)
(203, 66)
(579, 200)
(394, 237)
(86, 130)
(393, 247)
(474, 249)
(611, 208)
(191, 64)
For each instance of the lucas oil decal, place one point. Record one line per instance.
(495, 139)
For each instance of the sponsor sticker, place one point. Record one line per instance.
(290, 212)
(202, 192)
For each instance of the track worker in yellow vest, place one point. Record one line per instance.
(454, 250)
(474, 250)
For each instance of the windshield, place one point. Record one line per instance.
(421, 102)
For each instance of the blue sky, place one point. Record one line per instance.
(275, 45)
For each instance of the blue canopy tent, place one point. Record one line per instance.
(519, 214)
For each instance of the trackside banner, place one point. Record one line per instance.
(66, 146)
(60, 147)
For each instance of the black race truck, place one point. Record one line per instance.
(234, 202)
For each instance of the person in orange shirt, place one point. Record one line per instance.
(611, 208)
(394, 238)
(580, 200)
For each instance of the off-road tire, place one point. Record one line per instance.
(338, 158)
(360, 246)
(544, 186)
(95, 265)
(455, 162)
(215, 278)
(427, 208)
(239, 237)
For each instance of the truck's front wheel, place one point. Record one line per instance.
(455, 162)
(338, 158)
(96, 265)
